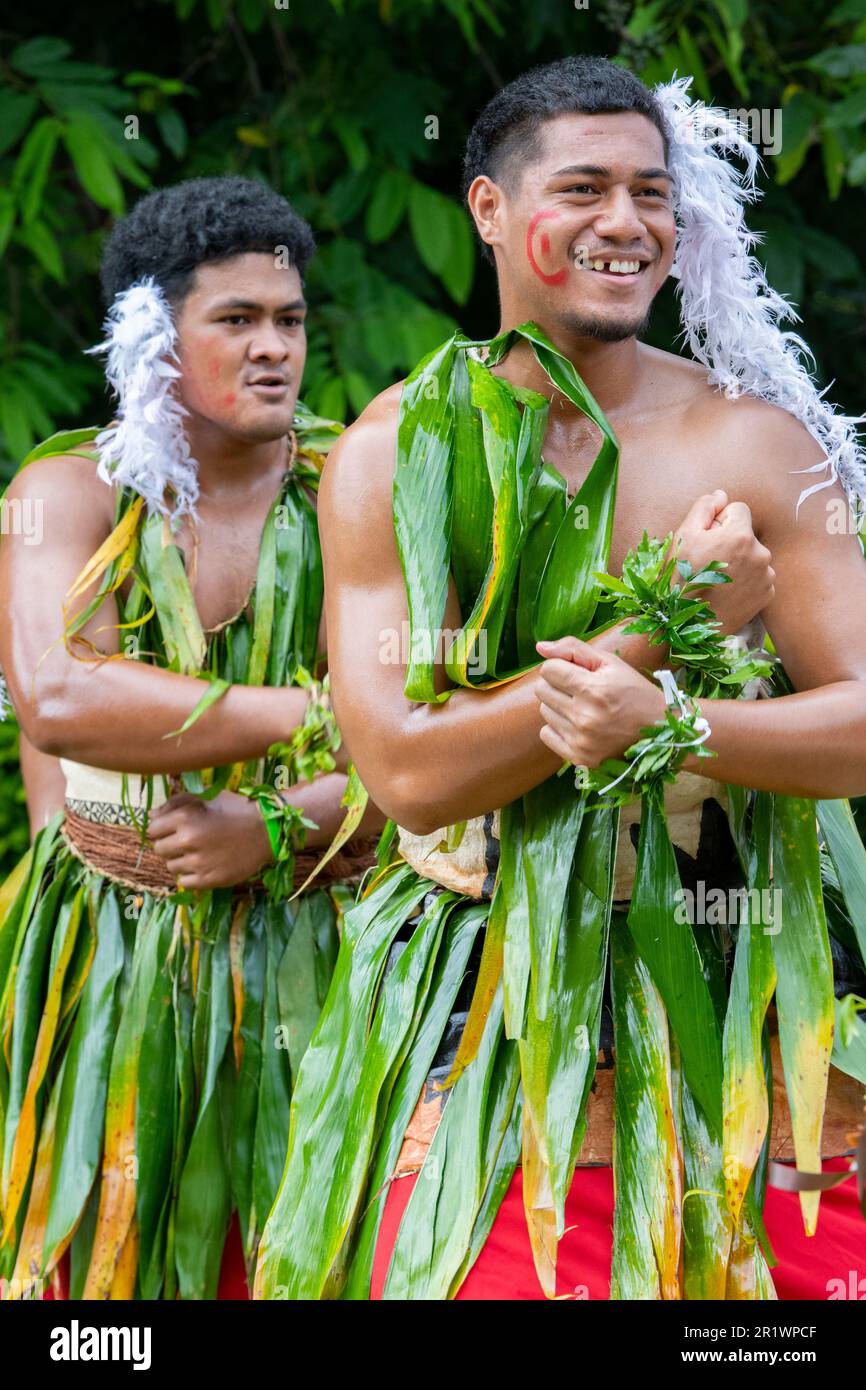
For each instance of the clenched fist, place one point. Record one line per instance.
(210, 844)
(716, 529)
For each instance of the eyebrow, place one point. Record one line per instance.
(256, 308)
(599, 171)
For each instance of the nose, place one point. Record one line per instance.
(618, 219)
(268, 344)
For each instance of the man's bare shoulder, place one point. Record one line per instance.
(682, 383)
(67, 485)
(671, 382)
(744, 444)
(360, 466)
(761, 451)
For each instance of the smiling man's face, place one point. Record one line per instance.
(598, 193)
(242, 346)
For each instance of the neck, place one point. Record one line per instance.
(228, 465)
(611, 371)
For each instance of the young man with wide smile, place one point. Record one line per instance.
(478, 982)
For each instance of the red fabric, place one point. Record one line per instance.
(233, 1274)
(504, 1269)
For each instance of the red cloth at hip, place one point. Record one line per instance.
(504, 1269)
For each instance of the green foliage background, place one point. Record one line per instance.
(357, 110)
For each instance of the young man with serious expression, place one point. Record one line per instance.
(204, 281)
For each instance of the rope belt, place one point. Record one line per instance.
(116, 852)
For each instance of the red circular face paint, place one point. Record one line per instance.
(560, 276)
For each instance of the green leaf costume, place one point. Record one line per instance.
(150, 1038)
(473, 498)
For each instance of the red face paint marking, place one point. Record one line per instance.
(560, 277)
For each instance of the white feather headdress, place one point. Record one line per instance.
(146, 448)
(729, 311)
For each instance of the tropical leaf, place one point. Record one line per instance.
(355, 799)
(31, 1245)
(423, 497)
(669, 950)
(849, 1042)
(117, 1193)
(804, 990)
(647, 1188)
(849, 859)
(344, 1065)
(450, 969)
(746, 1102)
(154, 1119)
(204, 1200)
(48, 945)
(559, 1052)
(84, 1085)
(437, 1225)
(184, 639)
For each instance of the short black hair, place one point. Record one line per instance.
(171, 231)
(506, 135)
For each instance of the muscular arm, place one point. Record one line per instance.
(425, 765)
(110, 714)
(812, 743)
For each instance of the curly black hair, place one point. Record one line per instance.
(171, 231)
(506, 135)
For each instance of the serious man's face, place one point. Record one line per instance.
(599, 193)
(242, 345)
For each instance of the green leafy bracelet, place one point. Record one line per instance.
(310, 750)
(657, 756)
(287, 828)
(708, 664)
(671, 614)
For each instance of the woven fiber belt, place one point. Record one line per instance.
(116, 852)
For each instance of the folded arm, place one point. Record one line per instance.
(811, 743)
(111, 714)
(426, 765)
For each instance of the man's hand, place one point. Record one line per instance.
(716, 529)
(594, 705)
(211, 844)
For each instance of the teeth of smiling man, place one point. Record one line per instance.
(582, 261)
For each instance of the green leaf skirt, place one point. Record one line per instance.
(148, 1053)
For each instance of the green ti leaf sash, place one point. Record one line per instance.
(475, 505)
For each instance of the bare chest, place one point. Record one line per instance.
(221, 560)
(222, 570)
(664, 467)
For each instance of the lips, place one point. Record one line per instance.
(269, 387)
(617, 276)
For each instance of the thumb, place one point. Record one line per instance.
(705, 509)
(570, 649)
